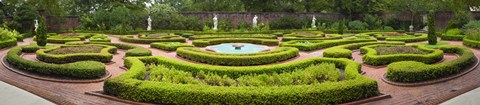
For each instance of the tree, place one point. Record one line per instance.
(354, 9)
(41, 33)
(432, 38)
(341, 26)
(415, 7)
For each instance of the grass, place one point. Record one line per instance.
(398, 50)
(77, 49)
(434, 46)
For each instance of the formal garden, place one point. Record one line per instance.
(241, 51)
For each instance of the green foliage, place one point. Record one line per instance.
(357, 25)
(371, 56)
(99, 38)
(345, 51)
(411, 71)
(131, 39)
(131, 85)
(309, 45)
(472, 25)
(432, 37)
(198, 55)
(320, 36)
(260, 36)
(473, 34)
(408, 38)
(41, 33)
(207, 42)
(458, 20)
(287, 22)
(341, 27)
(373, 22)
(454, 31)
(84, 69)
(132, 50)
(70, 55)
(169, 46)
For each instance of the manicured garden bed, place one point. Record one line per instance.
(309, 45)
(74, 53)
(371, 55)
(207, 42)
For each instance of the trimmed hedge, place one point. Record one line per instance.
(83, 69)
(132, 50)
(330, 37)
(169, 46)
(99, 38)
(319, 44)
(452, 37)
(198, 55)
(372, 58)
(8, 43)
(345, 51)
(131, 85)
(55, 38)
(131, 39)
(208, 42)
(471, 43)
(414, 38)
(411, 71)
(104, 56)
(260, 36)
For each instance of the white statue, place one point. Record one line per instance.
(255, 21)
(313, 22)
(149, 28)
(36, 24)
(411, 28)
(215, 23)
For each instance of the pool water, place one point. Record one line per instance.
(229, 49)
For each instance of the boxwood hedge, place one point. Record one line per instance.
(310, 45)
(131, 39)
(99, 38)
(83, 69)
(408, 38)
(169, 46)
(471, 43)
(8, 43)
(198, 55)
(345, 51)
(452, 37)
(411, 71)
(207, 42)
(372, 58)
(260, 36)
(131, 85)
(104, 56)
(326, 37)
(132, 50)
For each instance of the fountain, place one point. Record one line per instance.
(215, 23)
(313, 22)
(149, 28)
(36, 24)
(238, 46)
(254, 21)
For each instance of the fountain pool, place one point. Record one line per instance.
(237, 48)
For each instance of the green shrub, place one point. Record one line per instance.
(310, 36)
(357, 25)
(198, 55)
(452, 37)
(260, 36)
(130, 85)
(169, 46)
(287, 22)
(432, 37)
(455, 31)
(83, 69)
(472, 25)
(132, 50)
(408, 38)
(41, 33)
(411, 71)
(473, 34)
(372, 58)
(345, 51)
(207, 42)
(131, 39)
(309, 45)
(103, 56)
(99, 38)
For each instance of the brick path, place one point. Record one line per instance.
(73, 93)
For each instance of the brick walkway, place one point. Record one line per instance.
(73, 93)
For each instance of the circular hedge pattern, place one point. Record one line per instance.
(103, 56)
(371, 57)
(198, 55)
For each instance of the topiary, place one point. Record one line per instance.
(341, 27)
(357, 25)
(432, 38)
(41, 33)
